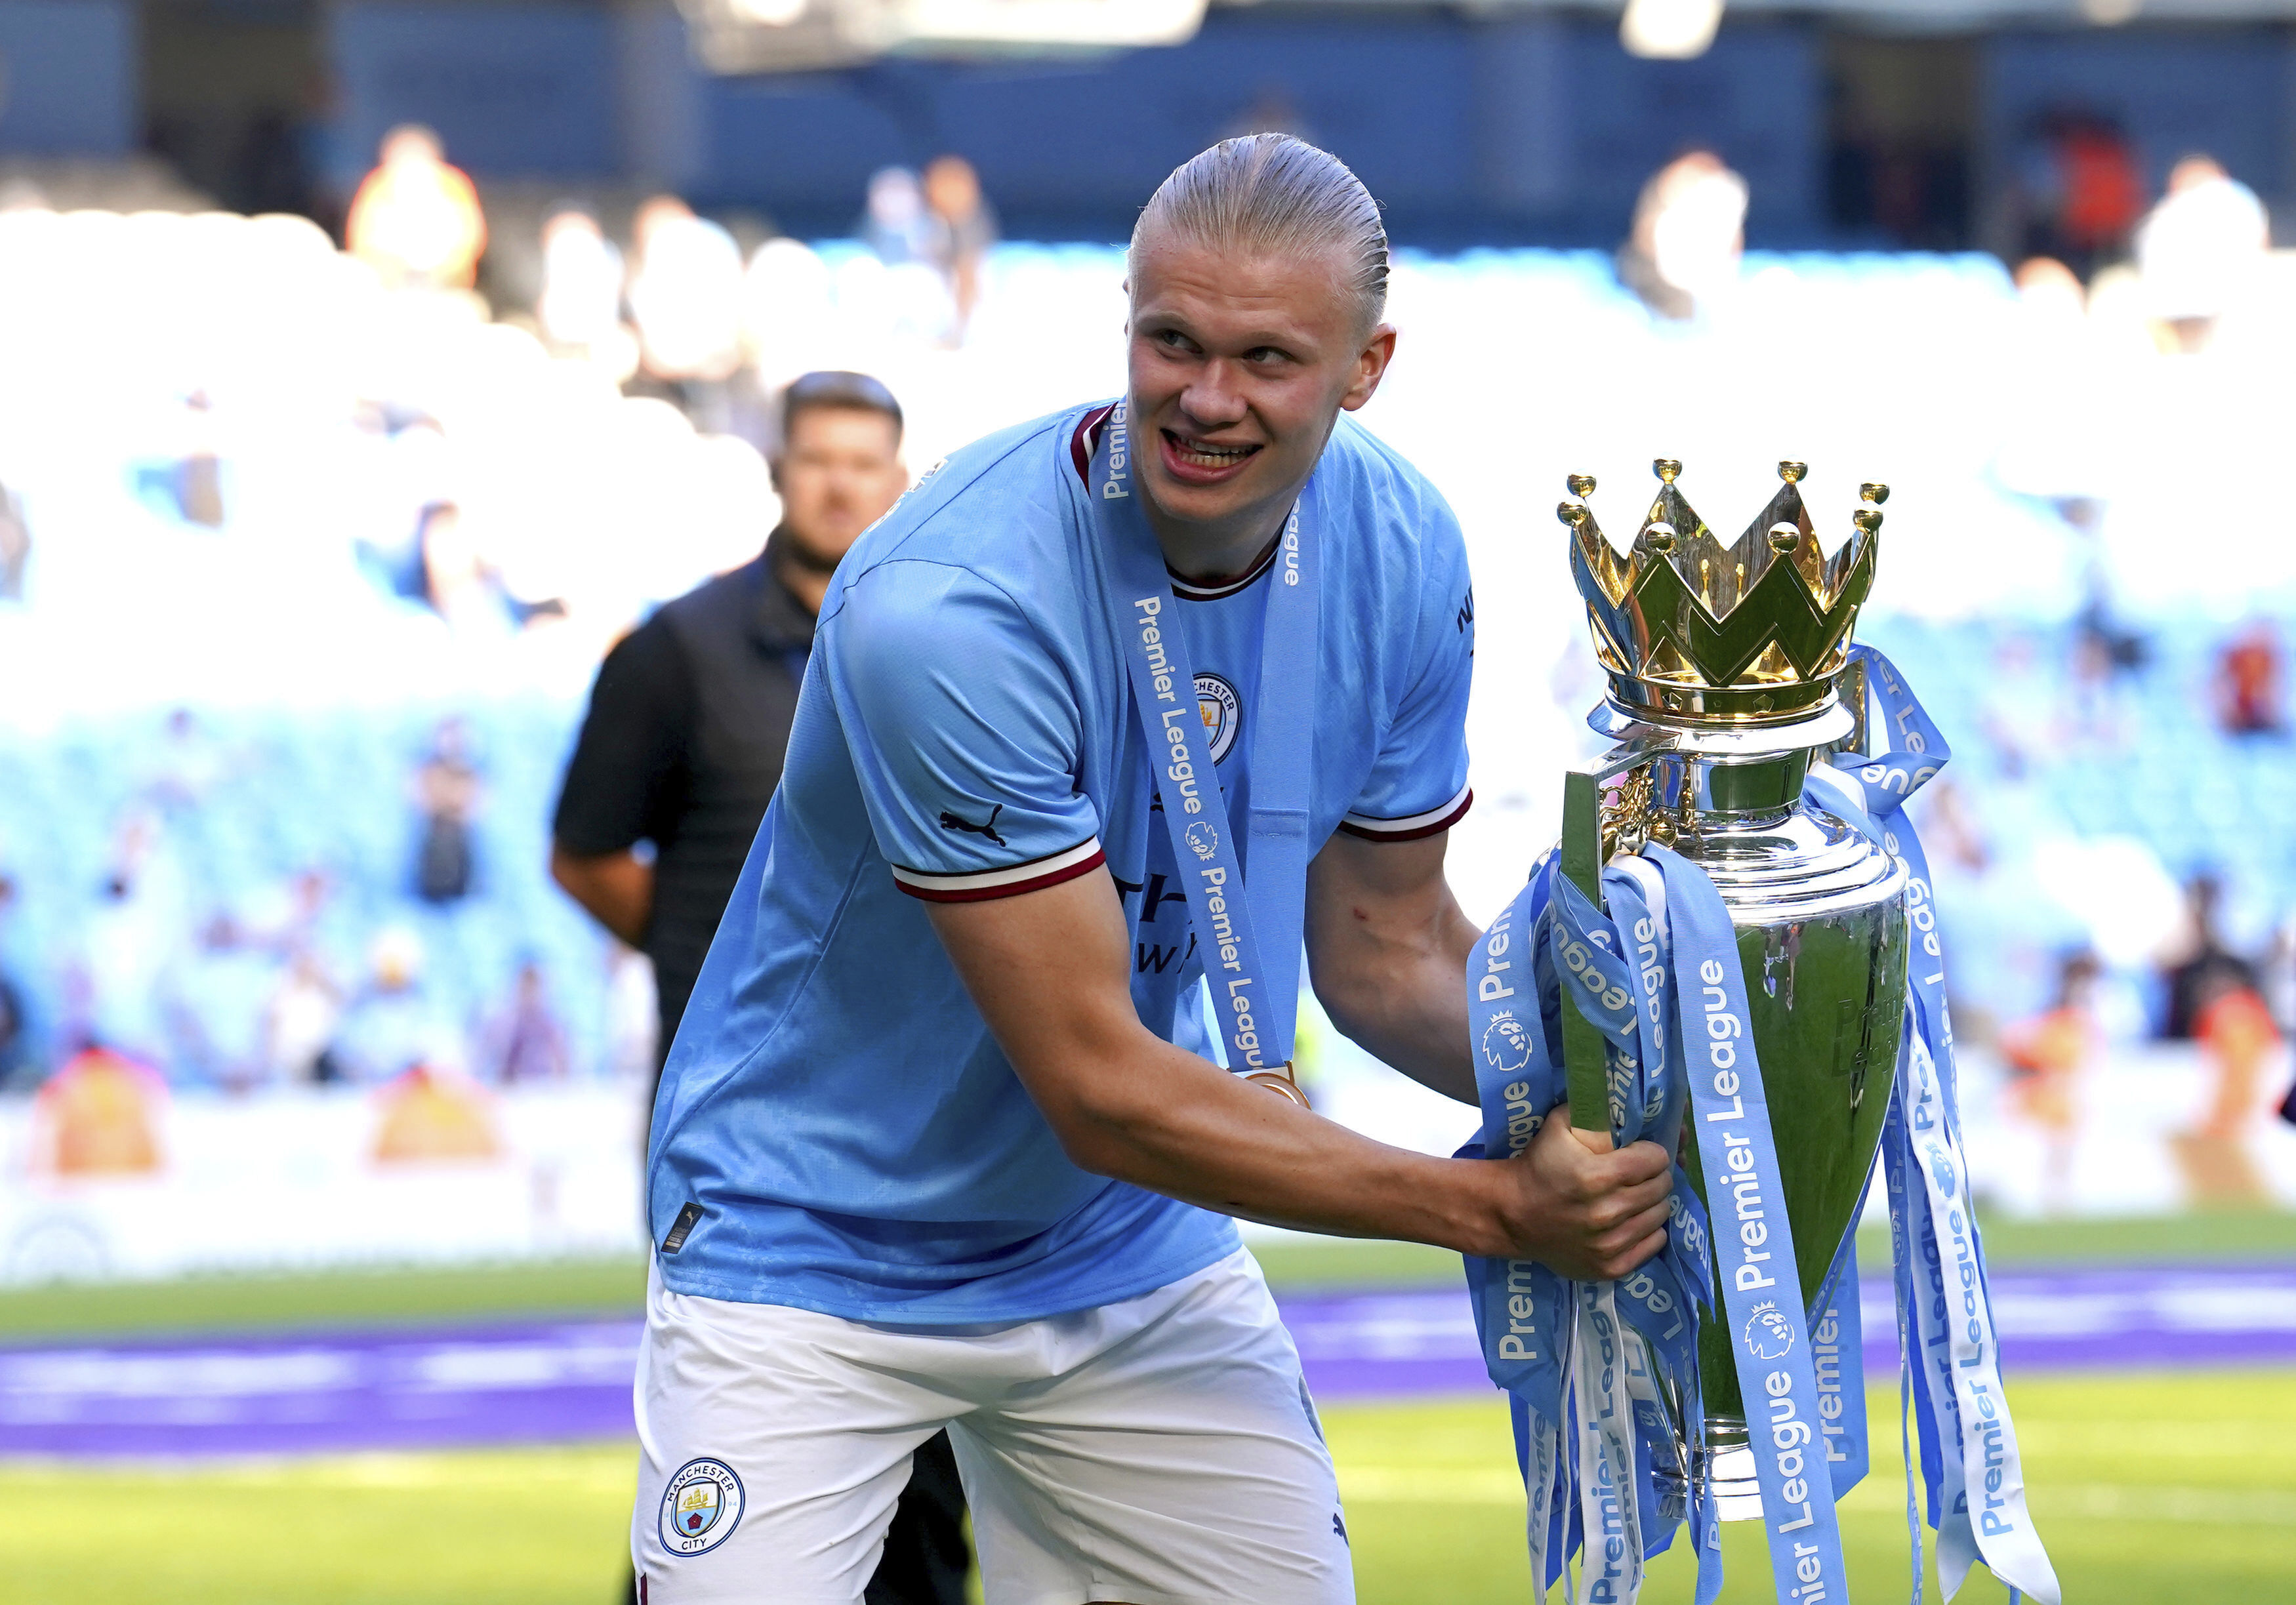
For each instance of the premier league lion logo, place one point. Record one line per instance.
(1203, 839)
(1941, 1169)
(1769, 1335)
(1506, 1045)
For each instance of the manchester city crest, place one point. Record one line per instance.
(1223, 713)
(700, 1507)
(1769, 1335)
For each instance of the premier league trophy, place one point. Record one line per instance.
(1733, 953)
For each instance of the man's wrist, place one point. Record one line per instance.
(1479, 1197)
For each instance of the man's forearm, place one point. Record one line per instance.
(1051, 970)
(1183, 1127)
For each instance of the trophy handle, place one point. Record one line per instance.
(1583, 1070)
(1582, 864)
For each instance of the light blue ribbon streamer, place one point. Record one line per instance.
(1550, 942)
(1966, 1439)
(1759, 1282)
(1523, 1311)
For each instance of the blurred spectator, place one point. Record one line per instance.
(2081, 190)
(2048, 1057)
(1689, 233)
(685, 293)
(2205, 968)
(2236, 1032)
(390, 1027)
(302, 1002)
(2106, 654)
(391, 559)
(2051, 291)
(2240, 1045)
(522, 1041)
(682, 749)
(2199, 251)
(1954, 829)
(15, 545)
(580, 307)
(898, 226)
(301, 1020)
(18, 1059)
(461, 587)
(125, 978)
(198, 482)
(416, 219)
(2250, 696)
(447, 791)
(968, 229)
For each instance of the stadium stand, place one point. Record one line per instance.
(232, 448)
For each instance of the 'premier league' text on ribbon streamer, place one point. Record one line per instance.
(1255, 990)
(1625, 988)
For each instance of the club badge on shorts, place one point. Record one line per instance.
(701, 1508)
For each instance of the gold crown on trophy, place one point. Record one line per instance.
(1693, 630)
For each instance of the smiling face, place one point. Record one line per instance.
(1240, 366)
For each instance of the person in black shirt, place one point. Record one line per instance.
(2207, 968)
(682, 749)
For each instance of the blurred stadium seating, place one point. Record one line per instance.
(331, 412)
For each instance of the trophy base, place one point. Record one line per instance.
(1726, 1467)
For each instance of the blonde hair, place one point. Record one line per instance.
(1270, 194)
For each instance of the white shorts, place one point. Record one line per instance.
(1162, 1451)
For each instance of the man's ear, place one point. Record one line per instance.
(774, 472)
(1371, 366)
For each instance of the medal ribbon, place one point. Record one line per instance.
(1255, 986)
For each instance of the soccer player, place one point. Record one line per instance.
(940, 1143)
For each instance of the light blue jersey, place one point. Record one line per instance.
(837, 1130)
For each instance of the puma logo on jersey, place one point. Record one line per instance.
(950, 822)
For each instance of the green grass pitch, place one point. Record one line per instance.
(2147, 1489)
(446, 1295)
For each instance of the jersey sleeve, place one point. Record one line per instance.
(965, 733)
(1418, 783)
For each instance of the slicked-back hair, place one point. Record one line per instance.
(1271, 195)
